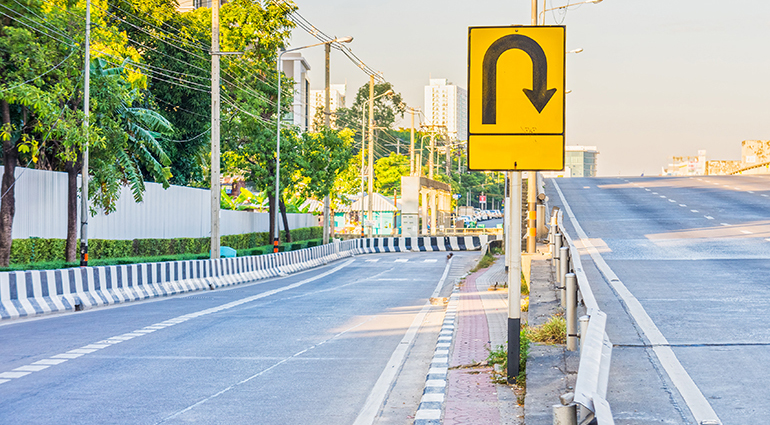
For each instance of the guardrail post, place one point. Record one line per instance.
(571, 288)
(563, 270)
(565, 415)
(556, 245)
(550, 241)
(583, 328)
(540, 221)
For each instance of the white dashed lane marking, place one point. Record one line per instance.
(682, 205)
(746, 232)
(694, 211)
(725, 224)
(709, 217)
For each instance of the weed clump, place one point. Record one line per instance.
(552, 332)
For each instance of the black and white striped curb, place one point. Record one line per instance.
(434, 395)
(427, 243)
(35, 292)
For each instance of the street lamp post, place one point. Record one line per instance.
(276, 232)
(563, 7)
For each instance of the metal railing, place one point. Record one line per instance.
(590, 392)
(469, 231)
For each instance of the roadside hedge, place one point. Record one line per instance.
(35, 252)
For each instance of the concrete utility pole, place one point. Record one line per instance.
(327, 124)
(84, 168)
(215, 106)
(430, 159)
(411, 145)
(448, 159)
(371, 153)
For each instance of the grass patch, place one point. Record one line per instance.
(524, 286)
(552, 332)
(499, 356)
(485, 262)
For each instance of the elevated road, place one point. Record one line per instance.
(680, 266)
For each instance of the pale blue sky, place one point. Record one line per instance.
(657, 77)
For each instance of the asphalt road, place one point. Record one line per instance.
(694, 253)
(307, 348)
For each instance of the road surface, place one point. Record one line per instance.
(687, 313)
(309, 348)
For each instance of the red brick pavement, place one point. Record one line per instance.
(471, 397)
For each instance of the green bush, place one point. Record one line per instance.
(39, 253)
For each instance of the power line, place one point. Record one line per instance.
(41, 75)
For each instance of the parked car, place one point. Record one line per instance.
(469, 221)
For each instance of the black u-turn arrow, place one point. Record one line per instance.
(539, 95)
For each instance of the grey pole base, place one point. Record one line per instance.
(514, 333)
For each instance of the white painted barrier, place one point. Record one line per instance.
(35, 292)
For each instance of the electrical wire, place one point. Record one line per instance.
(41, 75)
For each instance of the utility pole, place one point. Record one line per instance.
(215, 186)
(430, 159)
(411, 145)
(84, 168)
(371, 152)
(448, 164)
(327, 124)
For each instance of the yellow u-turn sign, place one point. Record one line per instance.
(516, 98)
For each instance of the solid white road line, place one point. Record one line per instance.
(384, 383)
(693, 397)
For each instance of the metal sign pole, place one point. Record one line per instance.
(513, 244)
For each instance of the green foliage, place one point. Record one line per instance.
(524, 287)
(388, 171)
(499, 356)
(323, 156)
(386, 110)
(30, 252)
(554, 331)
(485, 262)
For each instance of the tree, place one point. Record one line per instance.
(388, 171)
(386, 110)
(321, 158)
(37, 83)
(250, 92)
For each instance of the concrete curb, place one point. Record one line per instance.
(434, 395)
(36, 292)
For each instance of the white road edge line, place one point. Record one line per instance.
(384, 383)
(692, 395)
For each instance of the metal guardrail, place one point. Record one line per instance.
(595, 346)
(469, 231)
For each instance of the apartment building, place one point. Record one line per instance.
(446, 105)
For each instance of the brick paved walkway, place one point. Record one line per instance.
(471, 395)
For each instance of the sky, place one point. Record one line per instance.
(656, 79)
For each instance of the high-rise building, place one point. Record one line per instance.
(296, 67)
(446, 105)
(318, 98)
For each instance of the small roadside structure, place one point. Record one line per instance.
(384, 214)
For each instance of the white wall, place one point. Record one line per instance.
(178, 212)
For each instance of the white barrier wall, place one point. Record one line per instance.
(177, 212)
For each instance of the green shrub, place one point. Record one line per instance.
(39, 253)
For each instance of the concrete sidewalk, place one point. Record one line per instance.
(472, 396)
